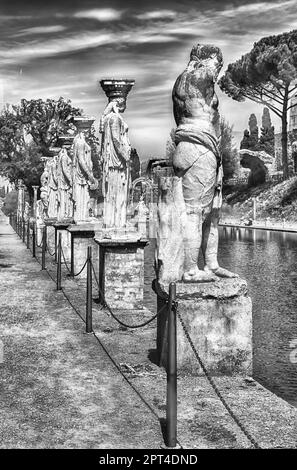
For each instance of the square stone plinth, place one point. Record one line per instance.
(121, 272)
(51, 235)
(82, 236)
(218, 317)
(61, 229)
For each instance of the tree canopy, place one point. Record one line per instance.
(251, 139)
(27, 131)
(267, 75)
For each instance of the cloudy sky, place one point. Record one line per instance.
(64, 47)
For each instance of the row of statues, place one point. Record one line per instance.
(68, 175)
(189, 200)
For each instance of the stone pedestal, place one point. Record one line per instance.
(121, 272)
(50, 234)
(39, 233)
(60, 227)
(82, 236)
(218, 317)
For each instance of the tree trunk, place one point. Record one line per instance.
(285, 134)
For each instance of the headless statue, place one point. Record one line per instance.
(83, 178)
(44, 191)
(65, 208)
(197, 161)
(190, 201)
(53, 186)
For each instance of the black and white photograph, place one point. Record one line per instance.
(148, 230)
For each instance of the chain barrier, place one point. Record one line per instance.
(175, 306)
(65, 262)
(114, 362)
(67, 266)
(212, 383)
(41, 243)
(116, 318)
(51, 254)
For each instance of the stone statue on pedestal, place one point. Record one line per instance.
(27, 210)
(115, 153)
(44, 192)
(83, 178)
(191, 199)
(65, 203)
(52, 169)
(21, 198)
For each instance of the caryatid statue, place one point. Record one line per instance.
(44, 190)
(83, 178)
(65, 203)
(52, 169)
(21, 198)
(197, 164)
(115, 153)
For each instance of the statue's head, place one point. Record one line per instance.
(121, 103)
(117, 91)
(207, 55)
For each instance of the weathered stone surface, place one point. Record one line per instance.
(220, 289)
(121, 268)
(218, 317)
(115, 153)
(50, 238)
(65, 243)
(83, 178)
(260, 163)
(190, 198)
(51, 172)
(65, 201)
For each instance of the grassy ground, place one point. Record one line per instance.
(60, 389)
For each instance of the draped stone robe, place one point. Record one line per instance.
(53, 187)
(115, 153)
(65, 206)
(82, 177)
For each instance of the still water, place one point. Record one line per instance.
(268, 261)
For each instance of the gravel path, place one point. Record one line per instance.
(58, 388)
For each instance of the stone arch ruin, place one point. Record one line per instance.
(261, 164)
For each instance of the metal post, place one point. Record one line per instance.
(24, 230)
(43, 248)
(59, 265)
(89, 292)
(171, 405)
(56, 235)
(28, 234)
(72, 256)
(33, 241)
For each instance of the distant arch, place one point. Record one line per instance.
(259, 162)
